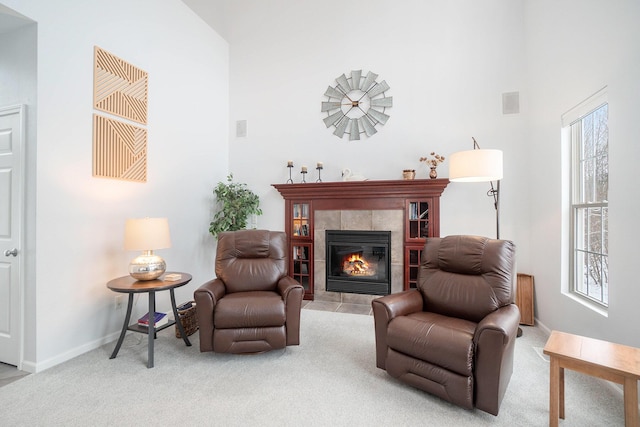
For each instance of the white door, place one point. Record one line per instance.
(11, 214)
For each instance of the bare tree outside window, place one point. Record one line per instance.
(590, 137)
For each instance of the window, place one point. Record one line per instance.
(589, 135)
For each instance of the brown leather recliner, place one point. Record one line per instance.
(252, 305)
(455, 335)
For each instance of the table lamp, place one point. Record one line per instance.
(146, 235)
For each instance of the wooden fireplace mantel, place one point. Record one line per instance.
(418, 199)
(381, 194)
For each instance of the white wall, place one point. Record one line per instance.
(576, 47)
(18, 66)
(80, 219)
(447, 62)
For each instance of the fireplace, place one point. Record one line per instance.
(358, 261)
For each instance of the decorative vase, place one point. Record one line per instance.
(433, 174)
(408, 174)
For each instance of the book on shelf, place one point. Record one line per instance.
(413, 210)
(300, 252)
(160, 320)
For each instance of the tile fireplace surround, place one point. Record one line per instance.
(398, 206)
(369, 220)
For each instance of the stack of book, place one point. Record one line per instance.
(161, 319)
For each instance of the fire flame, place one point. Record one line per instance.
(355, 265)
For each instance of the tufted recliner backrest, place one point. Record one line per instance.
(466, 277)
(251, 260)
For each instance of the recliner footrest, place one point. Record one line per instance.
(447, 385)
(249, 340)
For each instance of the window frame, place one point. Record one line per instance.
(578, 231)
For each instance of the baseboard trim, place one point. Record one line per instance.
(68, 355)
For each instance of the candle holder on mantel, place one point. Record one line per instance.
(319, 168)
(304, 174)
(290, 166)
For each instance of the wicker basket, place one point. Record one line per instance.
(188, 319)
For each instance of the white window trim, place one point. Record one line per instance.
(585, 107)
(576, 113)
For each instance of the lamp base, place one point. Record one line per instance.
(147, 266)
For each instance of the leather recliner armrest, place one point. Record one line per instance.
(494, 340)
(292, 293)
(206, 298)
(385, 309)
(399, 304)
(286, 285)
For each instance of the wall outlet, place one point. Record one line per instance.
(118, 302)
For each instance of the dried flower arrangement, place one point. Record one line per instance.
(432, 163)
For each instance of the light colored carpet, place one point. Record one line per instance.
(330, 379)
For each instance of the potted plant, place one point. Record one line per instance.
(236, 202)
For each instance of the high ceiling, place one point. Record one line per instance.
(10, 20)
(213, 12)
(209, 10)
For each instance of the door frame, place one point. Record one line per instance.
(20, 109)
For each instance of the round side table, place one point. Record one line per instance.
(131, 286)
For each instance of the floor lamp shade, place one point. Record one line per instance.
(146, 235)
(479, 165)
(475, 166)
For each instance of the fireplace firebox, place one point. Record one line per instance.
(358, 261)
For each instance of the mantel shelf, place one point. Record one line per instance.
(394, 189)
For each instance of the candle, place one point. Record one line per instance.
(319, 165)
(304, 169)
(290, 163)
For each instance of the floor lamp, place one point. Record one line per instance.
(480, 165)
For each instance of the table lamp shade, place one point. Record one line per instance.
(147, 234)
(142, 234)
(475, 166)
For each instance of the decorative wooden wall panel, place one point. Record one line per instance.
(119, 87)
(119, 150)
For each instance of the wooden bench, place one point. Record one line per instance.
(612, 362)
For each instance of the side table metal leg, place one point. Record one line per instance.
(124, 328)
(151, 336)
(178, 322)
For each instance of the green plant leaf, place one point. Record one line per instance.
(235, 202)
